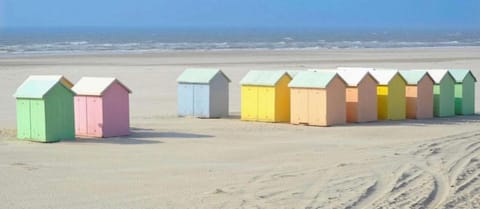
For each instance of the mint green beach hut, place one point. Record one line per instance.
(464, 91)
(45, 109)
(443, 93)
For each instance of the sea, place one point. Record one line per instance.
(48, 41)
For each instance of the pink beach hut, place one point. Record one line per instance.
(101, 107)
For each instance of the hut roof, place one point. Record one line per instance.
(354, 77)
(351, 77)
(293, 73)
(199, 75)
(438, 74)
(263, 77)
(95, 86)
(412, 77)
(313, 79)
(383, 76)
(37, 86)
(460, 74)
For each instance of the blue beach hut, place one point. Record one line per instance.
(203, 93)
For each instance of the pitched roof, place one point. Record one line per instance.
(352, 77)
(356, 68)
(95, 86)
(460, 74)
(383, 76)
(263, 77)
(313, 79)
(199, 75)
(412, 77)
(293, 73)
(37, 86)
(438, 74)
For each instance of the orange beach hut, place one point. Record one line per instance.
(361, 95)
(419, 94)
(318, 99)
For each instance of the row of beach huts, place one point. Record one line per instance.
(51, 108)
(330, 97)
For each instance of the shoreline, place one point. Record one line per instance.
(214, 51)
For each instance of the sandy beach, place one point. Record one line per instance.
(171, 162)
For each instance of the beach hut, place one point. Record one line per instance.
(101, 107)
(265, 96)
(361, 95)
(45, 109)
(391, 103)
(318, 99)
(203, 93)
(419, 94)
(443, 93)
(464, 91)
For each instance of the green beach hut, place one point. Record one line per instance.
(45, 109)
(443, 93)
(464, 91)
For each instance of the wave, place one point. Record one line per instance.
(80, 47)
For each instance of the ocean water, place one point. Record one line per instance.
(18, 42)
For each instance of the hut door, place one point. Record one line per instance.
(185, 99)
(37, 108)
(201, 101)
(81, 115)
(316, 107)
(266, 105)
(23, 119)
(250, 102)
(94, 116)
(300, 109)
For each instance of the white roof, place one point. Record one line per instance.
(438, 74)
(95, 86)
(383, 76)
(351, 76)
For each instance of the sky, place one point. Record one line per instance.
(401, 14)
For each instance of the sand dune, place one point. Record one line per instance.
(171, 162)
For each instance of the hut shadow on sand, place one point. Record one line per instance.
(422, 122)
(151, 133)
(141, 136)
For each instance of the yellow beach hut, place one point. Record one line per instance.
(391, 102)
(265, 96)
